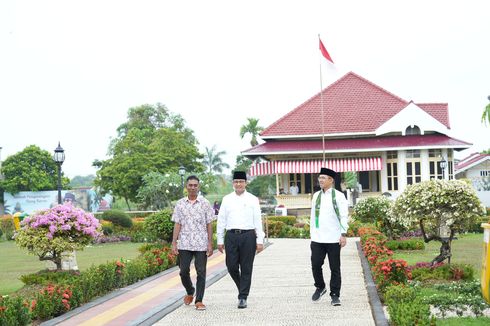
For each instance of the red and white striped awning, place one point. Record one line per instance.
(313, 166)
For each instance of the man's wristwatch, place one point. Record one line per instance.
(343, 234)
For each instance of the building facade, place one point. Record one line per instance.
(355, 125)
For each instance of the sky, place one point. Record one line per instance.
(70, 70)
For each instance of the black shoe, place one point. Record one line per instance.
(335, 300)
(242, 304)
(318, 293)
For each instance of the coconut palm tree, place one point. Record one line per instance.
(485, 118)
(252, 128)
(213, 160)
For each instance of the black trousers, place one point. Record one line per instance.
(318, 253)
(240, 254)
(200, 260)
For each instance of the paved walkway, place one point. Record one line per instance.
(280, 295)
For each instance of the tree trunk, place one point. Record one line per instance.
(127, 203)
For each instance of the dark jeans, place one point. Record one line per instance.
(200, 260)
(318, 253)
(240, 254)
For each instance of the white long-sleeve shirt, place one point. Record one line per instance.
(240, 212)
(329, 229)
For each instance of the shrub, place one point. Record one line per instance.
(159, 225)
(14, 311)
(7, 226)
(372, 209)
(45, 277)
(405, 308)
(117, 217)
(51, 232)
(52, 301)
(390, 272)
(441, 271)
(412, 244)
(288, 220)
(275, 228)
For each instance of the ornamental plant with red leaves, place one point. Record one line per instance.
(390, 272)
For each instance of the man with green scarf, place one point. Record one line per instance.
(328, 228)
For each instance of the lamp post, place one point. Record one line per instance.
(443, 165)
(182, 173)
(59, 158)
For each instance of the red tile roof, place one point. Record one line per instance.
(473, 159)
(357, 144)
(357, 105)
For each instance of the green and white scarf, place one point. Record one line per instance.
(335, 207)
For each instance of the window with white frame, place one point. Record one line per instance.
(392, 170)
(414, 174)
(435, 171)
(484, 173)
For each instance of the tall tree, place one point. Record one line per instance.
(485, 118)
(152, 139)
(213, 160)
(252, 128)
(31, 169)
(82, 181)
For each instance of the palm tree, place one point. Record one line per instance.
(252, 128)
(486, 113)
(213, 161)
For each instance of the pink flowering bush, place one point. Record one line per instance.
(51, 232)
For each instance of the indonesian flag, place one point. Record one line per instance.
(324, 51)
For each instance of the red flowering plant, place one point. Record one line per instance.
(390, 272)
(159, 259)
(52, 300)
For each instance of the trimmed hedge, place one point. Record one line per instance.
(117, 217)
(412, 244)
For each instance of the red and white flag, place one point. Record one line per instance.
(324, 51)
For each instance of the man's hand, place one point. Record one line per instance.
(221, 248)
(210, 249)
(174, 248)
(342, 241)
(260, 247)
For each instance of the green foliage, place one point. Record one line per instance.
(405, 308)
(32, 169)
(242, 163)
(7, 227)
(485, 118)
(82, 181)
(251, 127)
(263, 186)
(46, 277)
(350, 179)
(159, 190)
(288, 220)
(160, 225)
(411, 244)
(443, 272)
(153, 139)
(117, 217)
(376, 210)
(13, 312)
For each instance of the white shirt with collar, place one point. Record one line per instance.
(240, 212)
(329, 229)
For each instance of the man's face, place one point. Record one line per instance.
(192, 187)
(239, 185)
(325, 181)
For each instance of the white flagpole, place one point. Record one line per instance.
(321, 103)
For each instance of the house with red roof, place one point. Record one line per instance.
(476, 168)
(356, 125)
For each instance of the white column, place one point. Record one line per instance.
(384, 174)
(424, 165)
(402, 171)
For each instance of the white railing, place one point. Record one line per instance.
(294, 201)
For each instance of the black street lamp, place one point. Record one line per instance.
(443, 165)
(182, 173)
(59, 158)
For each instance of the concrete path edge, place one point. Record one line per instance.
(376, 306)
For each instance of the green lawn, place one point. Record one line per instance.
(459, 321)
(467, 249)
(15, 262)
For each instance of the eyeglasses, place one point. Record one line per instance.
(239, 181)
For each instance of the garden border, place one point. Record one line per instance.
(376, 305)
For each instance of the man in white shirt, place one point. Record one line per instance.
(294, 190)
(239, 216)
(328, 227)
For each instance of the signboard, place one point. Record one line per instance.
(32, 201)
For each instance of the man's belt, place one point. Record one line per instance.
(238, 231)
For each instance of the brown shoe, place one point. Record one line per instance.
(200, 306)
(188, 299)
